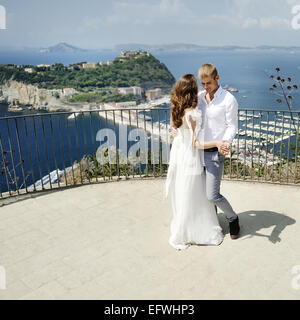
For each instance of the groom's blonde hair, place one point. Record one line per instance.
(207, 70)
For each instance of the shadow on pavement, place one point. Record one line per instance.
(253, 221)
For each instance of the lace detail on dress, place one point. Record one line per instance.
(196, 116)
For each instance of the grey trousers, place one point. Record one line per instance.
(214, 166)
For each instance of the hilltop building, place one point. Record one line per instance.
(89, 65)
(153, 94)
(137, 91)
(107, 63)
(44, 65)
(126, 54)
(28, 70)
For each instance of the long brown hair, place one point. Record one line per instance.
(184, 95)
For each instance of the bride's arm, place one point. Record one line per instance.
(205, 145)
(220, 144)
(208, 145)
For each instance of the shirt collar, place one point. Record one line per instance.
(218, 92)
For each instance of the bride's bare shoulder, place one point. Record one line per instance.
(188, 109)
(191, 111)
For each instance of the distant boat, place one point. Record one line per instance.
(15, 108)
(72, 116)
(147, 118)
(226, 87)
(52, 177)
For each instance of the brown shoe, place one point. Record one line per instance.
(234, 228)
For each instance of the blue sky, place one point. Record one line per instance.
(103, 24)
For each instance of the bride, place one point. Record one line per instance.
(194, 218)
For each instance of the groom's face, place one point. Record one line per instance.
(209, 83)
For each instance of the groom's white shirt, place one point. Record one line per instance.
(220, 115)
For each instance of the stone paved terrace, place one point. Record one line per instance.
(110, 241)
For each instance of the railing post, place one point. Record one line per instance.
(296, 150)
(29, 154)
(288, 151)
(20, 155)
(37, 151)
(70, 149)
(77, 145)
(12, 151)
(93, 138)
(267, 146)
(281, 147)
(46, 151)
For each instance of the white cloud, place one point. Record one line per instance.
(143, 13)
(292, 2)
(274, 22)
(272, 15)
(267, 23)
(163, 20)
(249, 23)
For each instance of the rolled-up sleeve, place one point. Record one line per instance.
(231, 120)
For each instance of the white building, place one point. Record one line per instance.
(28, 70)
(44, 65)
(69, 91)
(89, 65)
(153, 94)
(137, 91)
(107, 63)
(125, 54)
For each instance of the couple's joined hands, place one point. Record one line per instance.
(222, 145)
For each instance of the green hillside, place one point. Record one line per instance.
(140, 70)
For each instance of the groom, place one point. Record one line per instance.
(220, 116)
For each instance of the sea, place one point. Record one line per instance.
(247, 70)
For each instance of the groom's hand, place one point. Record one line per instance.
(224, 147)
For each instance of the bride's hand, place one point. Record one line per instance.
(173, 132)
(194, 143)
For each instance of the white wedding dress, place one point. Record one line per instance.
(194, 218)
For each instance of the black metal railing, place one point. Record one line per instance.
(266, 148)
(57, 150)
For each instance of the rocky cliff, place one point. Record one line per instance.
(17, 93)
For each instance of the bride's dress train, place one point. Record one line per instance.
(194, 218)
